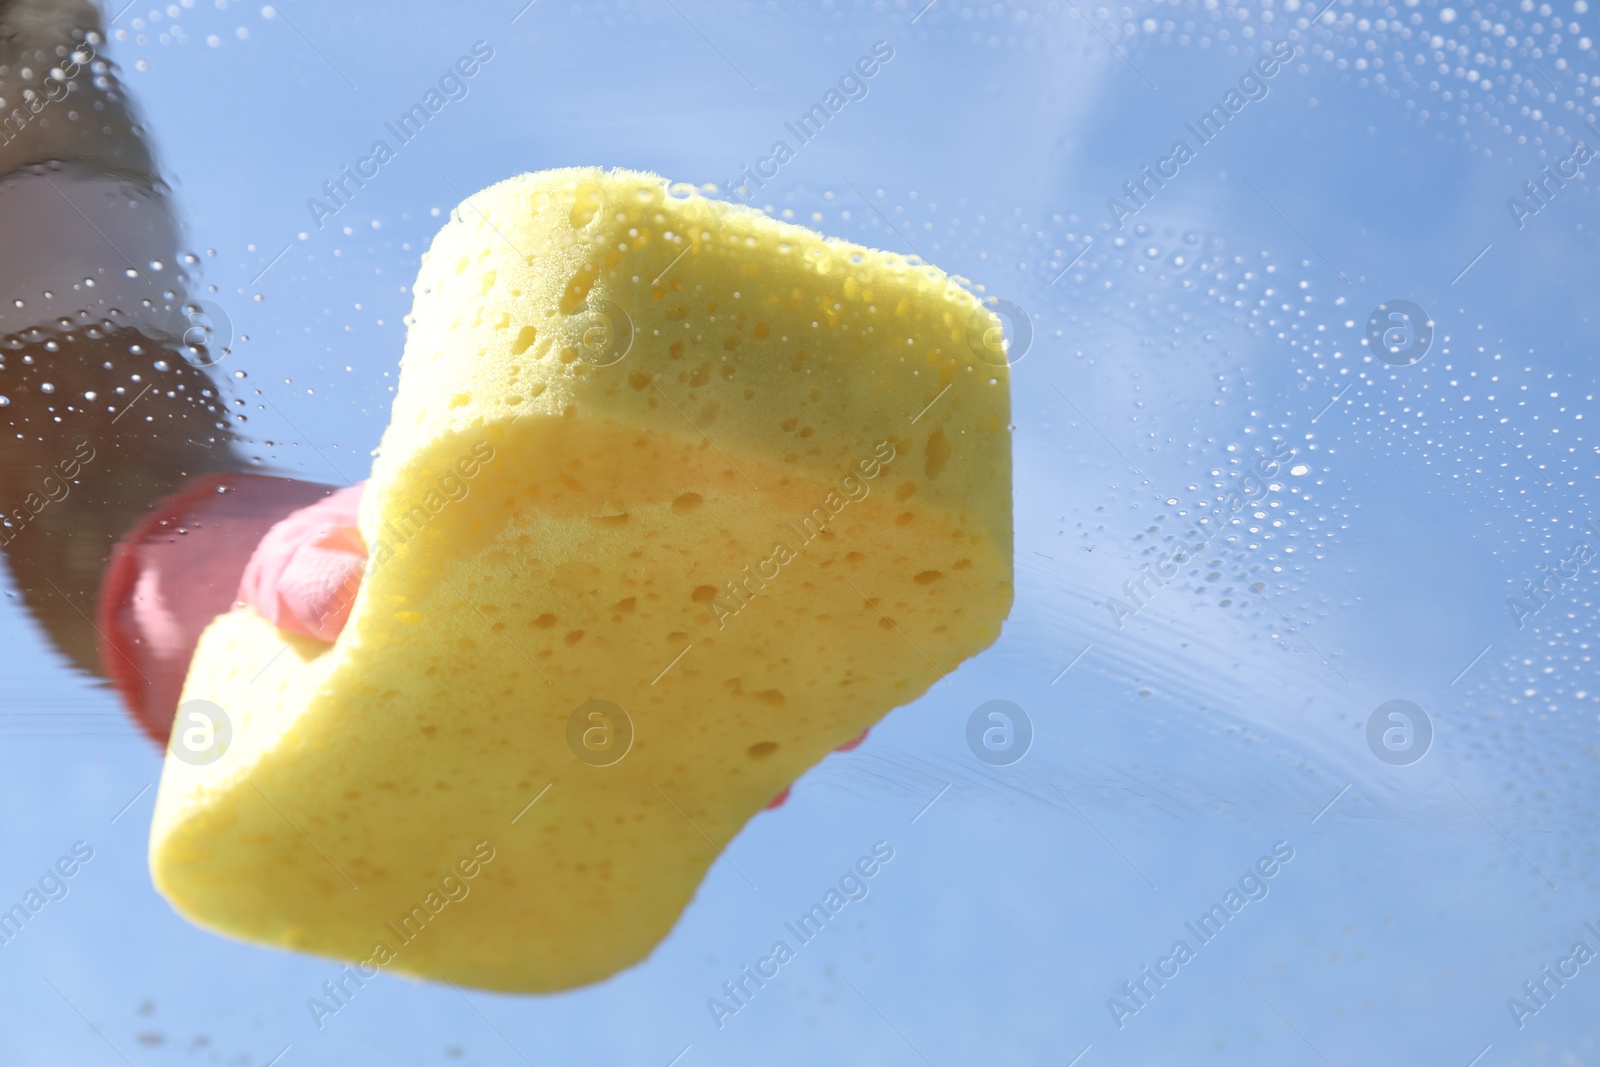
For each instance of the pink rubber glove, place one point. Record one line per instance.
(162, 587)
(304, 575)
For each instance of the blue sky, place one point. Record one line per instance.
(1225, 319)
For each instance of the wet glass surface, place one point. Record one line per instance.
(1299, 674)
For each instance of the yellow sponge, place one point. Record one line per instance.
(745, 487)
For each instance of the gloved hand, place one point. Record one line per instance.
(182, 566)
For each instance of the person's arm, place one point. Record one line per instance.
(103, 414)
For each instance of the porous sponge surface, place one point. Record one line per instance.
(750, 485)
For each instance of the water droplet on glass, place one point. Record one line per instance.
(46, 387)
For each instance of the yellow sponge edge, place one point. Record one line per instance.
(748, 485)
